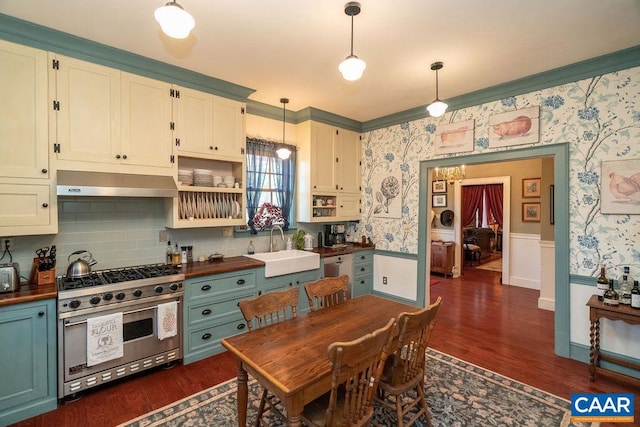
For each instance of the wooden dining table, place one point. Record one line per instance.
(290, 358)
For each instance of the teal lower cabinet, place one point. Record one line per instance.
(362, 273)
(277, 283)
(211, 311)
(28, 354)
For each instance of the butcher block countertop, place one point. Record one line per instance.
(224, 265)
(28, 293)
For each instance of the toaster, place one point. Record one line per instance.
(9, 278)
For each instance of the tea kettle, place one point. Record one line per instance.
(81, 267)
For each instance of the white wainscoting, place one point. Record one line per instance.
(401, 276)
(547, 298)
(524, 261)
(444, 235)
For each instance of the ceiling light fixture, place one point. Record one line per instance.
(283, 152)
(174, 20)
(437, 107)
(352, 67)
(451, 174)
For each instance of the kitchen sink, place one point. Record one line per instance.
(287, 262)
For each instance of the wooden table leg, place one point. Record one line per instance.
(294, 408)
(243, 395)
(594, 352)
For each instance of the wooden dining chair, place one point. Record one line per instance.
(356, 367)
(327, 292)
(404, 370)
(266, 309)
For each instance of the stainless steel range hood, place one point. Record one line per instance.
(75, 183)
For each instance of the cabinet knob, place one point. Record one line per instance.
(240, 282)
(44, 171)
(241, 326)
(41, 313)
(206, 336)
(211, 147)
(117, 156)
(124, 157)
(45, 205)
(206, 312)
(206, 287)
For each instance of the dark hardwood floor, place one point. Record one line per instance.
(483, 322)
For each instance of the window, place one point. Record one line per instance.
(270, 187)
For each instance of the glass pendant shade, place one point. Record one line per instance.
(283, 153)
(352, 68)
(437, 108)
(174, 20)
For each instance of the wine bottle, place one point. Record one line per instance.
(624, 290)
(611, 297)
(635, 295)
(602, 284)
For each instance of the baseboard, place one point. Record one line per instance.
(547, 304)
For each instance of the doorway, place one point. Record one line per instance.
(560, 154)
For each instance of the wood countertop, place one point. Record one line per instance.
(348, 249)
(29, 293)
(225, 265)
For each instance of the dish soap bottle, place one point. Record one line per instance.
(251, 249)
(289, 244)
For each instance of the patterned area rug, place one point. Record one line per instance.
(493, 265)
(458, 394)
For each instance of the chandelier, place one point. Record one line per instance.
(450, 174)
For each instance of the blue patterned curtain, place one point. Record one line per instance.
(262, 156)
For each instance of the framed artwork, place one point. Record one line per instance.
(439, 201)
(514, 127)
(552, 206)
(531, 187)
(439, 186)
(455, 137)
(620, 187)
(388, 197)
(531, 212)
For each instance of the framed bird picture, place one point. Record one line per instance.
(620, 187)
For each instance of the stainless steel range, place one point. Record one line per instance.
(138, 293)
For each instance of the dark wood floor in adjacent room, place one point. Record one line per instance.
(483, 322)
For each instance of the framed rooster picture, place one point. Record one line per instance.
(620, 187)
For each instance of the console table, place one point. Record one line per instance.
(598, 310)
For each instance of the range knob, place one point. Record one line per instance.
(174, 287)
(74, 304)
(120, 295)
(158, 289)
(137, 293)
(94, 300)
(108, 296)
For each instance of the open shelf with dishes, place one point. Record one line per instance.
(324, 206)
(210, 194)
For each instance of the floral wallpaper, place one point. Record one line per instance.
(599, 118)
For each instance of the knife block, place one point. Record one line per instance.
(40, 278)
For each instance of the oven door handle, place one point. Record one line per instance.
(124, 314)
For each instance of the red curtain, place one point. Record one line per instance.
(471, 202)
(493, 193)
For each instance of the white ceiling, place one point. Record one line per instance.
(292, 48)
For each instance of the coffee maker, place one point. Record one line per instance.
(334, 234)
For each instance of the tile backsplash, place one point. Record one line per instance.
(121, 231)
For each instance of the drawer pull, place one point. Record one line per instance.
(363, 257)
(206, 336)
(362, 282)
(241, 326)
(241, 282)
(362, 269)
(206, 288)
(206, 312)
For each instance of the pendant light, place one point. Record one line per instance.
(283, 152)
(437, 107)
(174, 20)
(352, 67)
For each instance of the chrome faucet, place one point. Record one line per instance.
(273, 245)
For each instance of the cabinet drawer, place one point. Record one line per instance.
(220, 285)
(214, 310)
(362, 257)
(202, 338)
(362, 269)
(362, 285)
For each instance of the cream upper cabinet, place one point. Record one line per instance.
(146, 122)
(24, 107)
(208, 125)
(109, 117)
(347, 145)
(87, 104)
(328, 173)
